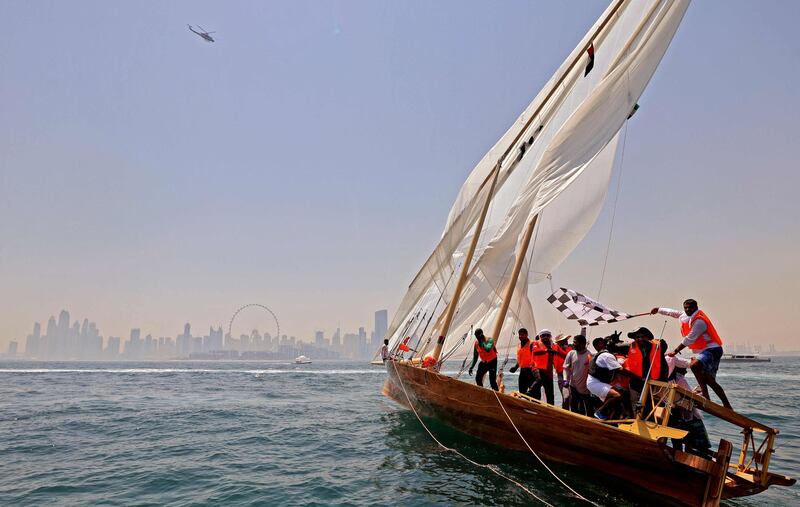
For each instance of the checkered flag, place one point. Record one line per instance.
(587, 311)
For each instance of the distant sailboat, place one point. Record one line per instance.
(522, 210)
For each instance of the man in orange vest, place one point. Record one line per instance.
(562, 341)
(544, 361)
(645, 356)
(524, 361)
(702, 338)
(486, 351)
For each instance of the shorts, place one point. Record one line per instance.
(710, 360)
(597, 388)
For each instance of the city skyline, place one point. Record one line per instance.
(65, 340)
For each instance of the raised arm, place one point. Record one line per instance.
(666, 311)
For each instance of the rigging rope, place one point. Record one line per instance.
(614, 210)
(491, 468)
(537, 456)
(464, 362)
(433, 312)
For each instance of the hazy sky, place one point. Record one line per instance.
(307, 159)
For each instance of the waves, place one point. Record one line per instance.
(260, 433)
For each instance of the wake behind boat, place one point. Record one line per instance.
(522, 210)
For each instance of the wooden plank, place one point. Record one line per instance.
(717, 479)
(643, 429)
(716, 409)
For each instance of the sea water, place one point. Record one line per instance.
(271, 433)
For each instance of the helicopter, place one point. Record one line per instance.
(202, 33)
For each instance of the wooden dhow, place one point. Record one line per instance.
(520, 212)
(635, 451)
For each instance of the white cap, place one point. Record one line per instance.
(544, 331)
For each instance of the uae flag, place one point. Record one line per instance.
(588, 312)
(590, 63)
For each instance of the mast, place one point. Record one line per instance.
(450, 312)
(512, 281)
(462, 278)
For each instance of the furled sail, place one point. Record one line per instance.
(560, 155)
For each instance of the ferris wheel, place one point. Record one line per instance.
(256, 305)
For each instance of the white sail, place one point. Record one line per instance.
(436, 271)
(580, 144)
(570, 215)
(574, 129)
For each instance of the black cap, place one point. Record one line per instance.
(479, 332)
(641, 330)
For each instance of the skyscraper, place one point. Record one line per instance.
(58, 346)
(134, 346)
(33, 342)
(112, 347)
(184, 341)
(47, 346)
(381, 325)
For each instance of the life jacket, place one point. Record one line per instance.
(428, 362)
(525, 355)
(710, 336)
(403, 346)
(634, 361)
(485, 356)
(541, 356)
(558, 359)
(621, 381)
(602, 374)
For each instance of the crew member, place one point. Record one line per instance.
(562, 340)
(602, 370)
(576, 369)
(385, 351)
(545, 353)
(702, 338)
(687, 418)
(644, 352)
(524, 361)
(485, 351)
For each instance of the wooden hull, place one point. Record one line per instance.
(558, 435)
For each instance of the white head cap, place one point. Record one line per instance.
(544, 331)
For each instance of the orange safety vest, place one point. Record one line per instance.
(541, 356)
(485, 356)
(634, 361)
(621, 381)
(558, 359)
(525, 355)
(702, 341)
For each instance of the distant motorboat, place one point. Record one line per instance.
(746, 358)
(302, 360)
